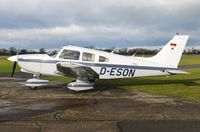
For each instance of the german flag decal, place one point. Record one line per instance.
(172, 45)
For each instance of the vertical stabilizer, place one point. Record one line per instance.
(171, 53)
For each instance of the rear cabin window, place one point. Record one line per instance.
(103, 59)
(70, 54)
(88, 57)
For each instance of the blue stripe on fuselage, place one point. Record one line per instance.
(98, 64)
(38, 60)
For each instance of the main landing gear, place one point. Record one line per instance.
(79, 85)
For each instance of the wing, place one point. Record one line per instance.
(76, 70)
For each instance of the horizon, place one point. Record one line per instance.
(133, 47)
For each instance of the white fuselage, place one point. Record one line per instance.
(115, 66)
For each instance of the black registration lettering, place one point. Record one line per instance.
(131, 72)
(102, 71)
(125, 72)
(119, 72)
(112, 71)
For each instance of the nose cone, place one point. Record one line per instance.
(13, 58)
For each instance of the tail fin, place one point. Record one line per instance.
(171, 53)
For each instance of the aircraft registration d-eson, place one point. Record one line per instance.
(87, 65)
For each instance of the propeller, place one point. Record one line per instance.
(14, 68)
(14, 59)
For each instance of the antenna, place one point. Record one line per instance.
(17, 54)
(135, 53)
(113, 50)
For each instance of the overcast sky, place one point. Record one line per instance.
(100, 23)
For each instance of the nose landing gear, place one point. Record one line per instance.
(36, 82)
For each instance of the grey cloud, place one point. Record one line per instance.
(56, 13)
(100, 23)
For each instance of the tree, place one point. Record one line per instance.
(12, 51)
(90, 47)
(42, 51)
(4, 52)
(23, 51)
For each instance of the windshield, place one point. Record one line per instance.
(53, 53)
(70, 54)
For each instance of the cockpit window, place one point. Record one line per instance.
(88, 57)
(70, 54)
(53, 53)
(103, 59)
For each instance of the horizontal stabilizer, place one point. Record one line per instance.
(177, 72)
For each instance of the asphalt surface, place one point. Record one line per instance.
(55, 108)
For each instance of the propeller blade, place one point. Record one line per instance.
(14, 68)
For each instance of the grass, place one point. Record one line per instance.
(184, 86)
(6, 66)
(190, 59)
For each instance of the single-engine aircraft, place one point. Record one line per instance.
(87, 65)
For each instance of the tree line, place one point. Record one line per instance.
(14, 51)
(143, 51)
(122, 51)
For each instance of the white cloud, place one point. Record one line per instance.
(40, 33)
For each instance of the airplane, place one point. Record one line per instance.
(88, 65)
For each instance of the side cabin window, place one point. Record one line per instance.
(88, 57)
(103, 59)
(70, 54)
